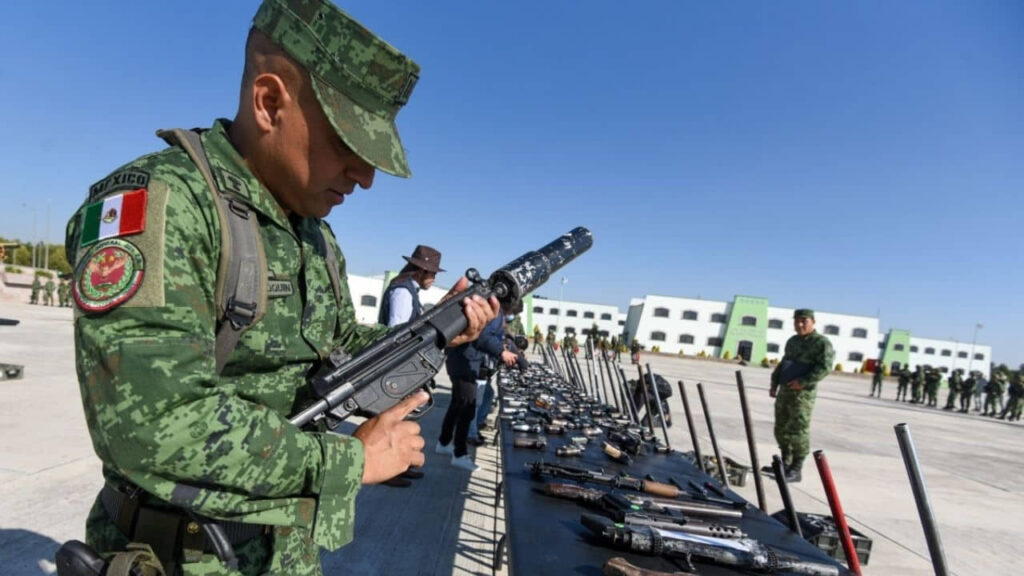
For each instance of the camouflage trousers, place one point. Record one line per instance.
(287, 552)
(793, 423)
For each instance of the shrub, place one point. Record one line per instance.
(726, 355)
(656, 349)
(766, 362)
(839, 367)
(44, 274)
(702, 354)
(13, 269)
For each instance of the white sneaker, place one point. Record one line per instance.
(443, 448)
(464, 462)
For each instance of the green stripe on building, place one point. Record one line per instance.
(752, 333)
(897, 339)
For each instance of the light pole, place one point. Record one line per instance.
(561, 291)
(46, 238)
(970, 362)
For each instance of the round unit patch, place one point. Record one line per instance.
(109, 274)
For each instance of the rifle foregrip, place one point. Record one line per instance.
(659, 489)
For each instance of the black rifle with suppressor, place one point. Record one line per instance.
(408, 357)
(743, 553)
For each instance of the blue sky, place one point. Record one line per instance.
(860, 157)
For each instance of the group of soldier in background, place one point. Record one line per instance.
(988, 394)
(47, 290)
(611, 348)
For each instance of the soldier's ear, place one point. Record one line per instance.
(270, 99)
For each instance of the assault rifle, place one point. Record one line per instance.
(581, 474)
(646, 504)
(638, 512)
(408, 356)
(744, 553)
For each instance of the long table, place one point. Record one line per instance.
(544, 535)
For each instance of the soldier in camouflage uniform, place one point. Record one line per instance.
(538, 337)
(966, 393)
(48, 290)
(994, 394)
(1014, 399)
(877, 378)
(917, 386)
(932, 381)
(551, 338)
(176, 435)
(807, 360)
(904, 382)
(37, 287)
(63, 293)
(955, 383)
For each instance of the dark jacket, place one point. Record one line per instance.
(464, 361)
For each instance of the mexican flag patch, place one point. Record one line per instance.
(117, 215)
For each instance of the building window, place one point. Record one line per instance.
(947, 352)
(661, 312)
(538, 310)
(961, 354)
(979, 356)
(898, 347)
(553, 311)
(943, 369)
(588, 314)
(368, 300)
(881, 345)
(930, 351)
(658, 336)
(689, 315)
(860, 333)
(552, 328)
(855, 357)
(749, 321)
(622, 322)
(571, 313)
(832, 330)
(773, 348)
(914, 348)
(718, 318)
(570, 330)
(715, 341)
(686, 339)
(606, 316)
(775, 324)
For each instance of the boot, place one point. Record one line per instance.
(793, 471)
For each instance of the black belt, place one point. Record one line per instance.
(123, 509)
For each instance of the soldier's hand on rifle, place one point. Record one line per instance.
(509, 358)
(391, 444)
(477, 310)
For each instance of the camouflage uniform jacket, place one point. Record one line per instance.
(160, 416)
(814, 350)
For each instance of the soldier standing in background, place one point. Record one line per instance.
(537, 338)
(876, 379)
(917, 386)
(980, 385)
(966, 392)
(64, 293)
(904, 382)
(932, 381)
(807, 360)
(616, 353)
(994, 394)
(552, 339)
(37, 286)
(1013, 402)
(955, 383)
(48, 290)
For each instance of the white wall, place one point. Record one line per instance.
(937, 360)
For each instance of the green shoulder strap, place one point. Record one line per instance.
(242, 269)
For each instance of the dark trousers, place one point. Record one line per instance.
(461, 412)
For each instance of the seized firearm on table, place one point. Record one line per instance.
(639, 511)
(646, 504)
(601, 477)
(743, 553)
(408, 357)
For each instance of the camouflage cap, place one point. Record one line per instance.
(360, 80)
(804, 313)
